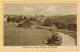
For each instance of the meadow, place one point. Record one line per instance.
(16, 36)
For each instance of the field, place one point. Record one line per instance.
(16, 36)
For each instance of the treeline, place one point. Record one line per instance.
(18, 19)
(65, 22)
(14, 20)
(61, 22)
(69, 26)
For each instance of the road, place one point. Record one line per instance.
(67, 40)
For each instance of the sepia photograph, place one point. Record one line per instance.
(40, 24)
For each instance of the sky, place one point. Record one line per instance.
(40, 8)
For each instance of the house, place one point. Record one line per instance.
(34, 22)
(4, 19)
(41, 20)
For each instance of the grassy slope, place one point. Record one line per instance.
(15, 36)
(66, 19)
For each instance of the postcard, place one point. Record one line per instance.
(40, 26)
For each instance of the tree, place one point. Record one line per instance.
(60, 25)
(8, 19)
(48, 22)
(72, 27)
(25, 17)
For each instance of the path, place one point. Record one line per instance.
(67, 40)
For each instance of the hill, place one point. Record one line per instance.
(65, 19)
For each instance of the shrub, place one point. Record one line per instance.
(55, 39)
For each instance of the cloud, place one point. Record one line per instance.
(41, 9)
(28, 9)
(42, 6)
(51, 8)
